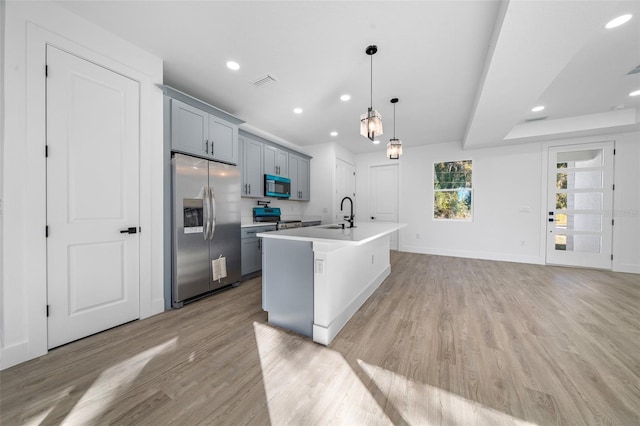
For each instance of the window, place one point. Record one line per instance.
(452, 190)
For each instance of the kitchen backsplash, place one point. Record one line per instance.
(291, 210)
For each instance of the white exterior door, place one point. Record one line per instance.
(92, 195)
(580, 203)
(383, 196)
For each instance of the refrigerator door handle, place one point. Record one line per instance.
(212, 200)
(207, 212)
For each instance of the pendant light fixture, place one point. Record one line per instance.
(394, 147)
(371, 122)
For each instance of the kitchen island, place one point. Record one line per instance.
(314, 279)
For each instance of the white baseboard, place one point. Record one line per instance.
(628, 268)
(503, 257)
(325, 335)
(14, 355)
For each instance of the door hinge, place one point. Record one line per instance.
(611, 257)
(612, 222)
(614, 151)
(46, 151)
(47, 311)
(614, 187)
(139, 228)
(46, 231)
(46, 70)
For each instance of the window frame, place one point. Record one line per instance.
(434, 191)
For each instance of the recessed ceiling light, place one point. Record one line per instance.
(376, 142)
(334, 133)
(345, 97)
(297, 110)
(538, 108)
(618, 21)
(232, 65)
(635, 93)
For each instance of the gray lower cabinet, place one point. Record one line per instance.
(299, 174)
(251, 248)
(195, 131)
(251, 165)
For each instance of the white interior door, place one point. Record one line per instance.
(580, 202)
(383, 196)
(92, 195)
(345, 187)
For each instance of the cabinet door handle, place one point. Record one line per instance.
(249, 188)
(245, 188)
(206, 147)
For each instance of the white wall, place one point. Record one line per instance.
(29, 27)
(509, 186)
(2, 37)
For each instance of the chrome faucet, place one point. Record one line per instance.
(351, 216)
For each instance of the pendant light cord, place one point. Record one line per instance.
(394, 120)
(371, 89)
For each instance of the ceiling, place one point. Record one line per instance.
(465, 72)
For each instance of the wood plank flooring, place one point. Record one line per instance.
(443, 341)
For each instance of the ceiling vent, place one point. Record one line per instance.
(265, 80)
(528, 120)
(636, 70)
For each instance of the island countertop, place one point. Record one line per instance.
(362, 233)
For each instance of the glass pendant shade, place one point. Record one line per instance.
(371, 124)
(394, 149)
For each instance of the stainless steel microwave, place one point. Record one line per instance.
(277, 186)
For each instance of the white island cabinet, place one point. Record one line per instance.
(314, 279)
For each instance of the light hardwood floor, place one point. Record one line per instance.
(443, 341)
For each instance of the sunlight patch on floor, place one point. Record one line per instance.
(306, 383)
(421, 404)
(111, 383)
(52, 401)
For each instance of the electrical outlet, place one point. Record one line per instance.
(325, 210)
(417, 236)
(522, 243)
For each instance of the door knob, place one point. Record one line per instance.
(372, 217)
(130, 230)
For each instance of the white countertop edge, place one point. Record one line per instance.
(253, 225)
(375, 230)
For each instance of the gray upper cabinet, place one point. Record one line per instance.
(299, 174)
(260, 156)
(194, 131)
(252, 159)
(223, 140)
(276, 161)
(200, 129)
(189, 128)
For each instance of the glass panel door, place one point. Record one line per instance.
(580, 193)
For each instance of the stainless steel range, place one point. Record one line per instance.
(273, 215)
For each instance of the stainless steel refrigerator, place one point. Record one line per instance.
(206, 227)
